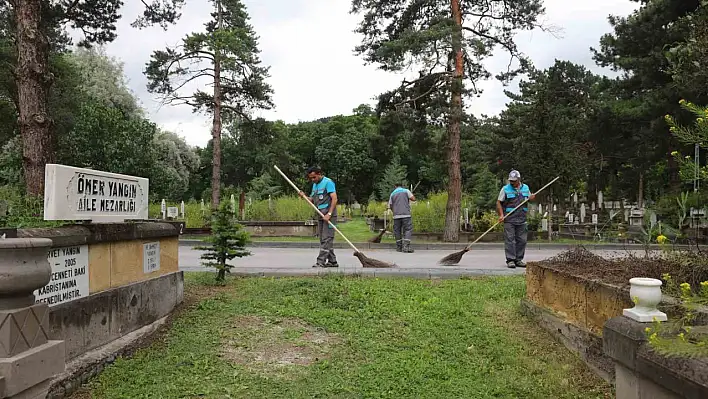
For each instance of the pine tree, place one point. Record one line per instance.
(226, 54)
(448, 40)
(395, 173)
(228, 241)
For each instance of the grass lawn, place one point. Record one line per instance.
(339, 337)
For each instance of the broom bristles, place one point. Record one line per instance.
(372, 263)
(453, 258)
(377, 239)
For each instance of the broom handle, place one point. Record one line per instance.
(318, 211)
(512, 211)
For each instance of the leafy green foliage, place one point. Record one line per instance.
(680, 337)
(228, 241)
(279, 209)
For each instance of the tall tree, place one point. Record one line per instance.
(646, 90)
(448, 41)
(33, 19)
(227, 54)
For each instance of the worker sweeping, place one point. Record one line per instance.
(515, 228)
(324, 197)
(399, 202)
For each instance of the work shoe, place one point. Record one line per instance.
(318, 265)
(511, 264)
(407, 248)
(521, 264)
(399, 246)
(335, 264)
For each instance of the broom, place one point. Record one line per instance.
(365, 260)
(377, 238)
(456, 257)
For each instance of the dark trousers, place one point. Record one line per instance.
(326, 233)
(403, 229)
(515, 241)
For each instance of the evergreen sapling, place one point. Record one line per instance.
(228, 241)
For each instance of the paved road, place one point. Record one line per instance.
(296, 261)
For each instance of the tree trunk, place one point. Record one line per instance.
(640, 194)
(33, 82)
(216, 126)
(454, 191)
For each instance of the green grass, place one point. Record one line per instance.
(355, 338)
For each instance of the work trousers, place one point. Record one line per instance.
(326, 233)
(515, 241)
(403, 229)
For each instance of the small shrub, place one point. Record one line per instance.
(228, 241)
(679, 338)
(487, 220)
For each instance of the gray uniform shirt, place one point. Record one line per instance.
(400, 203)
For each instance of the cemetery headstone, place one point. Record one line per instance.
(594, 218)
(582, 213)
(3, 208)
(163, 209)
(181, 206)
(172, 212)
(84, 194)
(599, 199)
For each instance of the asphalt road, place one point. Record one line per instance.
(296, 261)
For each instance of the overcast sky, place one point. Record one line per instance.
(314, 73)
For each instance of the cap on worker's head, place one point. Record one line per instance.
(514, 175)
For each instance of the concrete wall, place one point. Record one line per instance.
(122, 295)
(93, 321)
(586, 304)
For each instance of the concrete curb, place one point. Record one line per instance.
(418, 273)
(444, 246)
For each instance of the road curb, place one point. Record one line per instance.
(443, 246)
(416, 273)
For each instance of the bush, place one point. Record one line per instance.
(24, 211)
(483, 223)
(280, 209)
(429, 214)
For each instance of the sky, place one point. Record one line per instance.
(309, 45)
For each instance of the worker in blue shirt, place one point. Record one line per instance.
(515, 226)
(324, 197)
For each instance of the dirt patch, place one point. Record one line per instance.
(276, 346)
(683, 266)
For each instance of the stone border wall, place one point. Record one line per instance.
(576, 310)
(122, 295)
(90, 322)
(88, 325)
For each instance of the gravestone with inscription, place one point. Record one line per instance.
(151, 257)
(69, 279)
(84, 194)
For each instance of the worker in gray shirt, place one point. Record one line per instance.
(400, 203)
(515, 227)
